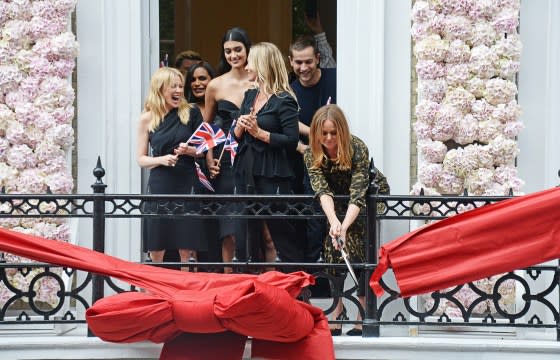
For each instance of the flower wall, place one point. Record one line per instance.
(467, 54)
(37, 57)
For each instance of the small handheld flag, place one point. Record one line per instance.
(202, 178)
(231, 146)
(206, 137)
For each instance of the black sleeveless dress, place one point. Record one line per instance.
(224, 183)
(178, 233)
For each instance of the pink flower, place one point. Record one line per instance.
(507, 68)
(478, 180)
(6, 116)
(31, 181)
(61, 134)
(483, 9)
(421, 12)
(508, 47)
(457, 27)
(476, 86)
(423, 131)
(460, 99)
(21, 157)
(457, 74)
(504, 150)
(507, 21)
(484, 34)
(418, 31)
(431, 48)
(60, 183)
(4, 146)
(430, 174)
(512, 129)
(467, 130)
(426, 111)
(456, 7)
(458, 52)
(450, 183)
(488, 130)
(432, 151)
(15, 133)
(10, 76)
(500, 91)
(430, 69)
(445, 123)
(482, 110)
(433, 90)
(48, 150)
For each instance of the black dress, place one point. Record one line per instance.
(225, 182)
(178, 233)
(264, 168)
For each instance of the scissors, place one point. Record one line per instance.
(347, 260)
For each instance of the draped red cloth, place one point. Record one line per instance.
(493, 239)
(196, 315)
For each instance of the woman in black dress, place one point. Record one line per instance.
(266, 131)
(224, 95)
(167, 122)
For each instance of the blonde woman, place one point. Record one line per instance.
(266, 131)
(338, 164)
(166, 123)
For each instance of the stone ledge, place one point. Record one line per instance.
(17, 347)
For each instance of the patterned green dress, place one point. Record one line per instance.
(331, 180)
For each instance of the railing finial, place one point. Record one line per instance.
(98, 172)
(373, 187)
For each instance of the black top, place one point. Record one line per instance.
(166, 138)
(312, 98)
(225, 114)
(279, 116)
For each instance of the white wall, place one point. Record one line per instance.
(539, 94)
(113, 65)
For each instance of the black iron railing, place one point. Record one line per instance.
(536, 292)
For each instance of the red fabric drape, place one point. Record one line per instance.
(189, 311)
(493, 239)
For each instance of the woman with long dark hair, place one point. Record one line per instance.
(223, 98)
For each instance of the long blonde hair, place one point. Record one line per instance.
(155, 101)
(270, 67)
(343, 137)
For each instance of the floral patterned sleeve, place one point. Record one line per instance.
(316, 176)
(360, 173)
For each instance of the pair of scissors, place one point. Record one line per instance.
(346, 260)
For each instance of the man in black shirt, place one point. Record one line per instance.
(314, 87)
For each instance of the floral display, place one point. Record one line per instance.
(37, 57)
(467, 56)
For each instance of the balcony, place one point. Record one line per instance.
(513, 315)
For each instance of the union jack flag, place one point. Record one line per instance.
(202, 178)
(231, 145)
(206, 137)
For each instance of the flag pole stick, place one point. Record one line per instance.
(221, 154)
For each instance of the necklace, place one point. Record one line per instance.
(259, 102)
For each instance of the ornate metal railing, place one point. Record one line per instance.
(524, 298)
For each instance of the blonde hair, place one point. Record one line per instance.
(344, 150)
(155, 101)
(270, 67)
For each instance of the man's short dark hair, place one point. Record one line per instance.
(303, 42)
(187, 54)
